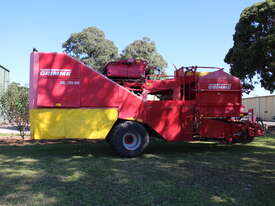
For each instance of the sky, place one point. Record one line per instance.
(185, 32)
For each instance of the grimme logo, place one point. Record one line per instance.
(219, 86)
(55, 72)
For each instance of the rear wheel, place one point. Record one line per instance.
(129, 139)
(244, 138)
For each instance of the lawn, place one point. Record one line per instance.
(167, 174)
(5, 134)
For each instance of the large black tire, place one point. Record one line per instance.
(129, 139)
(244, 138)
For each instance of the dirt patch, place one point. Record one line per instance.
(18, 141)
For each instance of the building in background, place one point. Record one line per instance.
(264, 106)
(4, 82)
(4, 79)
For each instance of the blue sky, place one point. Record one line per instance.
(185, 32)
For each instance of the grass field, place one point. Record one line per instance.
(5, 134)
(167, 174)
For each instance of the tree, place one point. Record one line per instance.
(14, 107)
(145, 50)
(254, 44)
(91, 47)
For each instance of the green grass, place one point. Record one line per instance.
(168, 174)
(5, 134)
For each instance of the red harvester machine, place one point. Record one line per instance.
(68, 99)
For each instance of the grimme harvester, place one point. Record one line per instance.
(126, 106)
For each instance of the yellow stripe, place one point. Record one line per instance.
(134, 119)
(72, 123)
(200, 74)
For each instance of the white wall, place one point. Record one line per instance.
(264, 106)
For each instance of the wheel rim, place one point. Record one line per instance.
(131, 141)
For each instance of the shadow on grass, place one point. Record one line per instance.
(102, 149)
(62, 149)
(167, 174)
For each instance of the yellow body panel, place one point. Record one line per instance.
(72, 123)
(200, 74)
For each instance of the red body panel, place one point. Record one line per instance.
(128, 68)
(220, 95)
(222, 128)
(58, 82)
(82, 87)
(183, 107)
(172, 119)
(165, 118)
(63, 95)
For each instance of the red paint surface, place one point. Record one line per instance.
(128, 68)
(58, 80)
(219, 102)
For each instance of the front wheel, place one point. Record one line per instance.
(129, 139)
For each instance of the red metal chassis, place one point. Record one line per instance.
(188, 105)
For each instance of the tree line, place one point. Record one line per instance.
(91, 47)
(251, 58)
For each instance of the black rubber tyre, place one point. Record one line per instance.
(107, 140)
(245, 138)
(129, 139)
